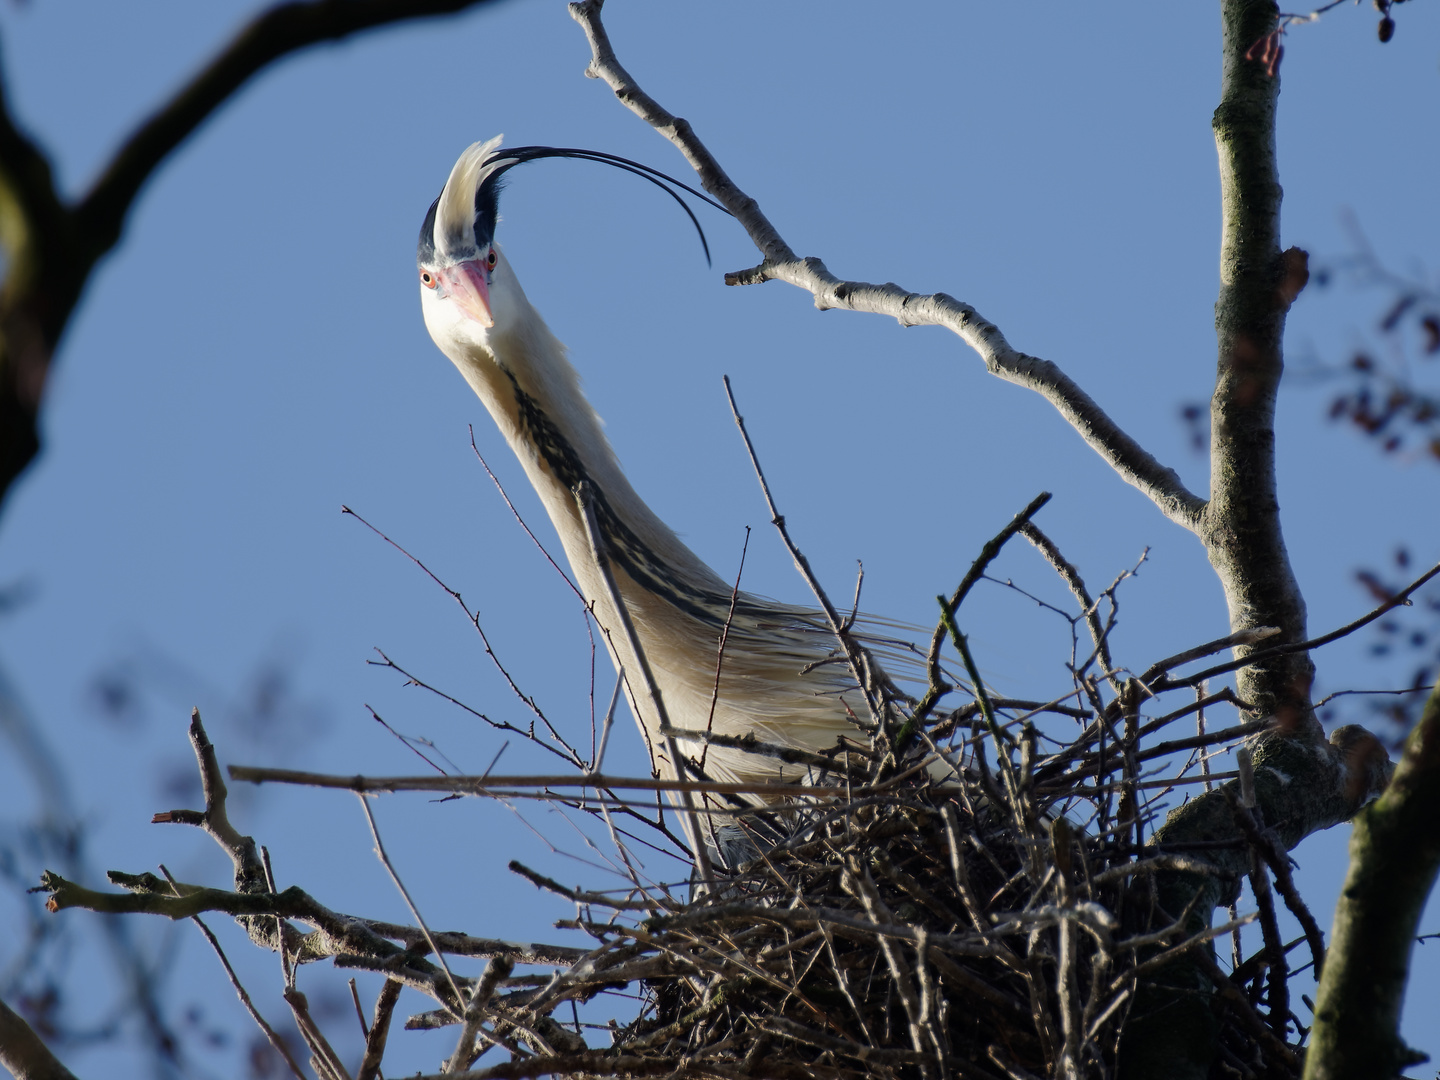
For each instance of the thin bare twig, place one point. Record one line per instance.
(652, 688)
(1073, 581)
(458, 1005)
(270, 1033)
(1400, 599)
(570, 754)
(720, 649)
(938, 686)
(852, 651)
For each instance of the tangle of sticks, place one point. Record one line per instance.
(969, 889)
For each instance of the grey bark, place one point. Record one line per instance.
(1240, 525)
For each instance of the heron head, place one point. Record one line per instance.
(464, 280)
(457, 258)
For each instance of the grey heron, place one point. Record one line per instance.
(779, 681)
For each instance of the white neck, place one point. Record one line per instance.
(773, 685)
(519, 369)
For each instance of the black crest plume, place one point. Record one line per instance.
(443, 233)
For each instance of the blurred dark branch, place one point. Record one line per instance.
(65, 841)
(275, 33)
(51, 248)
(1389, 398)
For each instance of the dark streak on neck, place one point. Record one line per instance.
(623, 547)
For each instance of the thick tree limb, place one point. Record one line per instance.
(22, 1052)
(51, 249)
(1127, 457)
(1305, 784)
(1241, 525)
(1394, 859)
(1315, 784)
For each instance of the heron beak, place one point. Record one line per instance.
(468, 284)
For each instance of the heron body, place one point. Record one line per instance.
(778, 678)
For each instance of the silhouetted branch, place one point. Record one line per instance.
(938, 686)
(51, 248)
(282, 30)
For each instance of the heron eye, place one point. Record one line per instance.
(427, 279)
(490, 259)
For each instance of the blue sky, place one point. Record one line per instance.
(252, 357)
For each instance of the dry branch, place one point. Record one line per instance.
(1124, 454)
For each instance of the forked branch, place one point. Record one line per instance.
(1127, 457)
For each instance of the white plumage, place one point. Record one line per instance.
(770, 686)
